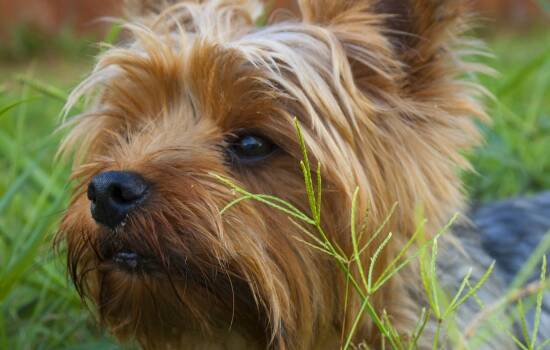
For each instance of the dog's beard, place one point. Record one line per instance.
(160, 275)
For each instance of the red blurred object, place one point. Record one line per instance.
(512, 12)
(505, 12)
(51, 15)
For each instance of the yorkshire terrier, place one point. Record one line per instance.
(203, 87)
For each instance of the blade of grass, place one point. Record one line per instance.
(353, 329)
(538, 308)
(44, 88)
(12, 105)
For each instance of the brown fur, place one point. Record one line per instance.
(376, 88)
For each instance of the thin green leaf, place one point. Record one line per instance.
(374, 258)
(12, 105)
(46, 89)
(234, 202)
(478, 285)
(538, 309)
(355, 323)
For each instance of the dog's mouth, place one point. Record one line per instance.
(126, 258)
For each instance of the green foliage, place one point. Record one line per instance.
(515, 159)
(28, 42)
(38, 307)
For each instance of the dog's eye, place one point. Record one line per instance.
(251, 148)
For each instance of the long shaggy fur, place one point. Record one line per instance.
(376, 87)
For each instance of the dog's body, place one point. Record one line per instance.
(509, 232)
(506, 233)
(202, 90)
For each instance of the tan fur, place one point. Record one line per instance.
(376, 88)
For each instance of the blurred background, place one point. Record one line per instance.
(47, 46)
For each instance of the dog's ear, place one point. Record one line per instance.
(406, 57)
(411, 23)
(420, 32)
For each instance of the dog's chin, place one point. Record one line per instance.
(137, 299)
(140, 295)
(162, 288)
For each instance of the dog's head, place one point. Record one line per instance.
(201, 89)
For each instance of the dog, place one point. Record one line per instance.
(199, 88)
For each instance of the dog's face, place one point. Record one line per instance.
(201, 91)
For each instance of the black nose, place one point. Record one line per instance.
(114, 194)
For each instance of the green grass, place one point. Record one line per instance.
(515, 158)
(39, 308)
(26, 43)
